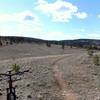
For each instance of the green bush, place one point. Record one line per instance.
(96, 60)
(16, 67)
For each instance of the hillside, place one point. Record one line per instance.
(9, 40)
(31, 50)
(82, 42)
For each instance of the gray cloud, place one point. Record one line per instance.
(28, 18)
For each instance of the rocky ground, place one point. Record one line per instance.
(54, 73)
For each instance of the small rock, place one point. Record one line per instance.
(29, 96)
(28, 85)
(1, 94)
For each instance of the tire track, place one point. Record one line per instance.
(67, 92)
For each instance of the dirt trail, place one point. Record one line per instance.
(67, 92)
(28, 59)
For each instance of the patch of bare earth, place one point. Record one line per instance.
(67, 92)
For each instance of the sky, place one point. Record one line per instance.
(50, 19)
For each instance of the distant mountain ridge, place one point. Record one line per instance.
(6, 40)
(82, 42)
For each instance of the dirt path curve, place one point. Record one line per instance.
(28, 59)
(67, 92)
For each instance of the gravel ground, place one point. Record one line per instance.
(82, 77)
(38, 83)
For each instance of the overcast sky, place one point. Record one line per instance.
(50, 19)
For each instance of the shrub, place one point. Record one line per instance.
(63, 45)
(88, 47)
(96, 60)
(90, 52)
(16, 67)
(48, 44)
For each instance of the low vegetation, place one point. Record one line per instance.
(90, 52)
(96, 60)
(63, 45)
(16, 67)
(48, 44)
